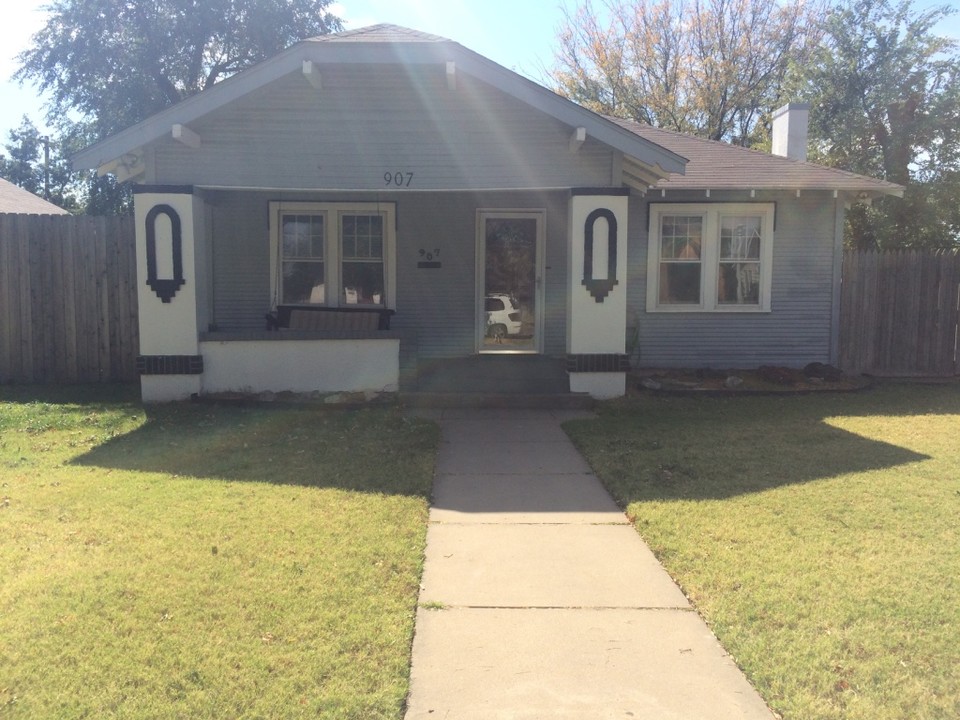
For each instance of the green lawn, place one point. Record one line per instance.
(195, 561)
(818, 535)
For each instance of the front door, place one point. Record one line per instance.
(509, 280)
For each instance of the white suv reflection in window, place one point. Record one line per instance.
(503, 315)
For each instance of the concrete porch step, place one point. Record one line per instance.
(491, 374)
(540, 401)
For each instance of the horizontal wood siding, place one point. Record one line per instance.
(435, 305)
(371, 120)
(240, 251)
(798, 328)
(68, 300)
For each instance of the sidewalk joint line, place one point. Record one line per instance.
(644, 608)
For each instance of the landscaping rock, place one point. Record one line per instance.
(651, 384)
(823, 372)
(733, 381)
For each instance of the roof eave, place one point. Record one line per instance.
(856, 192)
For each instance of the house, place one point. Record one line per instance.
(391, 198)
(16, 200)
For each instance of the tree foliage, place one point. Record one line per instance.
(108, 64)
(38, 164)
(713, 68)
(116, 62)
(885, 94)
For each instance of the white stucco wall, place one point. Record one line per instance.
(596, 327)
(168, 328)
(300, 366)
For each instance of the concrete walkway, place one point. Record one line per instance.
(551, 606)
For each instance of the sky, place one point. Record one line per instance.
(518, 34)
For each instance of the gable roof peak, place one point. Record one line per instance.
(379, 33)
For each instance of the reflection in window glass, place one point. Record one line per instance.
(361, 257)
(302, 263)
(681, 239)
(738, 279)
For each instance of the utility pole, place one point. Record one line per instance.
(46, 167)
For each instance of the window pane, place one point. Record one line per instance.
(303, 236)
(363, 283)
(680, 237)
(362, 237)
(738, 283)
(740, 238)
(679, 283)
(303, 282)
(362, 260)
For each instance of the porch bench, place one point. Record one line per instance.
(315, 318)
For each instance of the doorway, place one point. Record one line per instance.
(510, 281)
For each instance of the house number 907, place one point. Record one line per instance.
(397, 179)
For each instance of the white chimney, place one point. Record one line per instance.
(790, 131)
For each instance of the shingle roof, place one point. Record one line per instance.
(14, 199)
(384, 32)
(721, 166)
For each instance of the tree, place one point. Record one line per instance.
(108, 64)
(713, 68)
(39, 165)
(885, 95)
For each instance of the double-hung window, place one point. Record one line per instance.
(710, 257)
(334, 254)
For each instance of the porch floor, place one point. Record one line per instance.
(492, 380)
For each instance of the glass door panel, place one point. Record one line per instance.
(510, 304)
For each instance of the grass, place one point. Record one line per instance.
(819, 536)
(203, 561)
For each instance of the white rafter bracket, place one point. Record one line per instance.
(124, 168)
(312, 73)
(577, 138)
(186, 136)
(451, 75)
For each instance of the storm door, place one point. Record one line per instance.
(509, 280)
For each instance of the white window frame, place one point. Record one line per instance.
(712, 214)
(333, 213)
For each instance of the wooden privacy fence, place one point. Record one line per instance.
(68, 299)
(899, 313)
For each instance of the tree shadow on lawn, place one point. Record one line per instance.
(681, 448)
(364, 449)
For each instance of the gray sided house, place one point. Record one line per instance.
(367, 204)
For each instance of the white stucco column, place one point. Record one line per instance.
(168, 221)
(597, 291)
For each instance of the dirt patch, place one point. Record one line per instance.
(766, 379)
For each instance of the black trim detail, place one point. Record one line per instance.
(170, 364)
(600, 288)
(598, 363)
(613, 191)
(428, 265)
(165, 288)
(163, 189)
